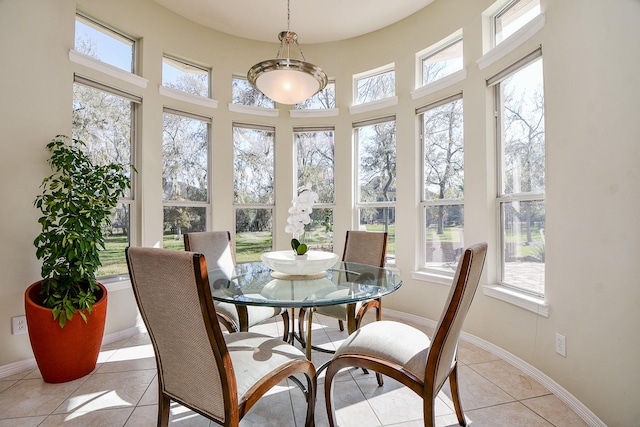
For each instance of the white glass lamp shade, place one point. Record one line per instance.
(287, 81)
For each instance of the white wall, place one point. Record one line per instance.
(591, 61)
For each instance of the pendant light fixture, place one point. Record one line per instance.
(286, 80)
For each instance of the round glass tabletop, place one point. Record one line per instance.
(255, 283)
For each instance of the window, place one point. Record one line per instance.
(253, 189)
(325, 99)
(185, 175)
(376, 185)
(183, 76)
(104, 43)
(244, 94)
(315, 165)
(442, 61)
(104, 118)
(519, 100)
(442, 185)
(374, 85)
(512, 17)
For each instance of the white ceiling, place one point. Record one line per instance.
(315, 21)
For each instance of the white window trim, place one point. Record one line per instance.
(108, 69)
(374, 105)
(512, 42)
(187, 97)
(439, 84)
(325, 112)
(254, 111)
(532, 303)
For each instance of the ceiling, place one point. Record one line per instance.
(317, 21)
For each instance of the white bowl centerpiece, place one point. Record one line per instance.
(288, 263)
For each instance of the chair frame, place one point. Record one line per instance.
(353, 319)
(234, 410)
(426, 387)
(243, 310)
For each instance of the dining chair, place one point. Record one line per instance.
(406, 354)
(217, 248)
(361, 247)
(220, 376)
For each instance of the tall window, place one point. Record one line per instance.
(104, 118)
(442, 61)
(253, 189)
(513, 16)
(104, 43)
(376, 186)
(185, 175)
(184, 76)
(374, 85)
(243, 93)
(315, 165)
(443, 184)
(520, 134)
(324, 99)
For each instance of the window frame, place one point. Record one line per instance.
(188, 64)
(503, 198)
(426, 204)
(509, 5)
(385, 69)
(436, 49)
(131, 200)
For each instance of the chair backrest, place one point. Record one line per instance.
(215, 246)
(172, 291)
(365, 247)
(444, 344)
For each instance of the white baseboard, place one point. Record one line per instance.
(29, 364)
(578, 407)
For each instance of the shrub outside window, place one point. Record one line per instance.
(244, 94)
(325, 99)
(374, 86)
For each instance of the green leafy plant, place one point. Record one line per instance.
(76, 201)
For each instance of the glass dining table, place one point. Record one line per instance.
(254, 283)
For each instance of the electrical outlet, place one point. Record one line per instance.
(18, 325)
(561, 345)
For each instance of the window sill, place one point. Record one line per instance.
(328, 112)
(256, 111)
(512, 42)
(528, 302)
(116, 283)
(187, 97)
(440, 279)
(440, 84)
(108, 69)
(374, 105)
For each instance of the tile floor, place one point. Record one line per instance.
(122, 391)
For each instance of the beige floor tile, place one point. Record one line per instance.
(102, 418)
(143, 416)
(131, 358)
(510, 379)
(183, 417)
(35, 397)
(469, 353)
(6, 384)
(150, 396)
(351, 407)
(554, 410)
(22, 422)
(476, 391)
(110, 390)
(274, 409)
(513, 414)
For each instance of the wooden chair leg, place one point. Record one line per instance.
(164, 404)
(301, 315)
(429, 409)
(455, 395)
(328, 398)
(285, 320)
(341, 325)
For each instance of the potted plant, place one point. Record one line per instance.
(66, 310)
(299, 217)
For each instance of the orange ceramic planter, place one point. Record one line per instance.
(64, 354)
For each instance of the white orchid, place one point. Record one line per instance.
(299, 216)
